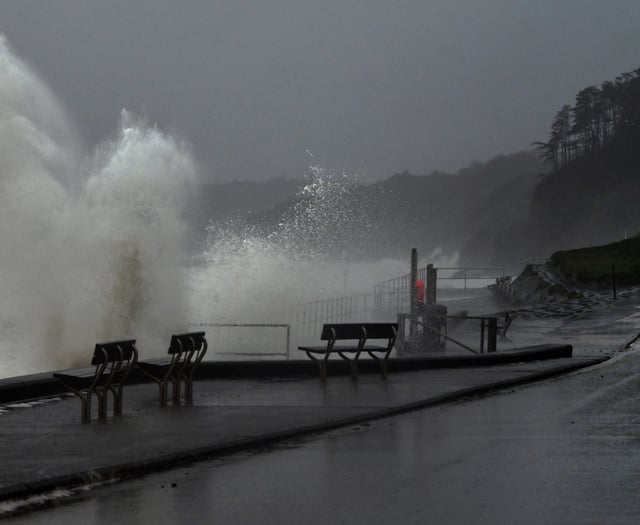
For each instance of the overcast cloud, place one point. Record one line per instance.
(370, 86)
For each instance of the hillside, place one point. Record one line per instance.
(595, 265)
(575, 208)
(448, 211)
(591, 195)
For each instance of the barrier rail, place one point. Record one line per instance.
(389, 296)
(488, 331)
(311, 316)
(470, 273)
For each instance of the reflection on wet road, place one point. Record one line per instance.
(563, 451)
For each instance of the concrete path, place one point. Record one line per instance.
(45, 446)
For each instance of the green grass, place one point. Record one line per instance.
(595, 265)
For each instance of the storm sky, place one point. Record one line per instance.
(265, 88)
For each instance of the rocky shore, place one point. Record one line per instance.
(540, 291)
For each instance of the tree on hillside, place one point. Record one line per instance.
(557, 151)
(605, 118)
(587, 119)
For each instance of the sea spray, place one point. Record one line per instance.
(91, 245)
(253, 274)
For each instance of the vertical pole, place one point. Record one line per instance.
(492, 334)
(432, 283)
(367, 313)
(288, 341)
(412, 291)
(400, 334)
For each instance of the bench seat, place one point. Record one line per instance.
(184, 355)
(112, 363)
(360, 334)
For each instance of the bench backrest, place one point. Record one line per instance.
(114, 351)
(194, 342)
(342, 331)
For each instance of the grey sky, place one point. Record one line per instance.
(370, 86)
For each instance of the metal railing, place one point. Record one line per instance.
(470, 273)
(488, 332)
(389, 297)
(393, 294)
(311, 316)
(488, 327)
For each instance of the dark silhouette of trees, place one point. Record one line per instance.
(604, 120)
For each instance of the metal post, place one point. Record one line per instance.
(288, 342)
(492, 334)
(432, 284)
(400, 335)
(412, 291)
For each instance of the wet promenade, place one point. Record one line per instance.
(46, 449)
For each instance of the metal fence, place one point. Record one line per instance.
(392, 295)
(311, 316)
(388, 298)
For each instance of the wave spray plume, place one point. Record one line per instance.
(90, 243)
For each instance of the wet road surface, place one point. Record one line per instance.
(563, 451)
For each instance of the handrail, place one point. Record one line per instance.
(485, 324)
(446, 336)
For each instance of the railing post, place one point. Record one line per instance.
(432, 284)
(288, 342)
(412, 291)
(492, 334)
(400, 335)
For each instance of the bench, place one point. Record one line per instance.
(184, 355)
(360, 334)
(111, 364)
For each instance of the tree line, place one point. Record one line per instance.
(605, 118)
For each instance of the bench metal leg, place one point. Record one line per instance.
(188, 388)
(383, 361)
(163, 392)
(117, 400)
(103, 397)
(85, 403)
(176, 389)
(86, 407)
(322, 364)
(353, 364)
(383, 367)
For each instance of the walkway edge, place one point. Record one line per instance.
(133, 469)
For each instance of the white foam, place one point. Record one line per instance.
(90, 241)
